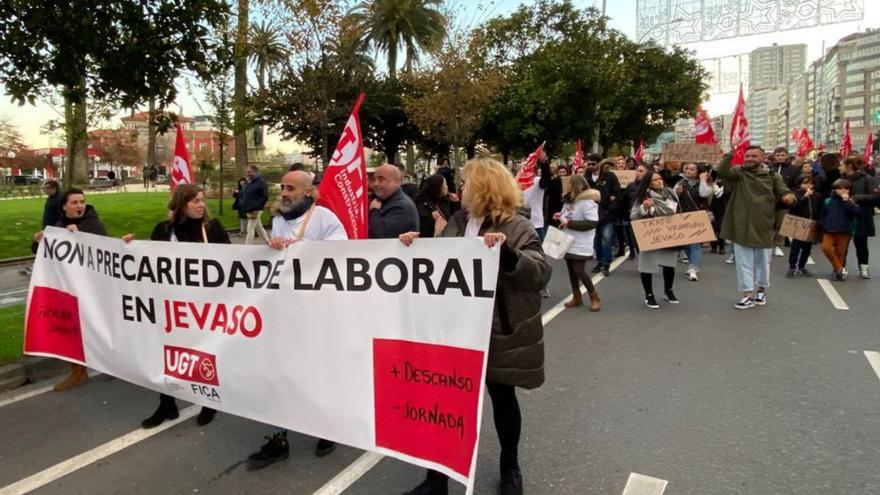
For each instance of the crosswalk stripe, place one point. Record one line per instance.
(639, 484)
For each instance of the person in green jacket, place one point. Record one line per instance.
(748, 222)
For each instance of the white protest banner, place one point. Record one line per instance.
(367, 343)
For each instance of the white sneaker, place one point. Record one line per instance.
(730, 260)
(864, 271)
(692, 275)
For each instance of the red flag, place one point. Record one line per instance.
(703, 131)
(526, 174)
(740, 137)
(795, 136)
(822, 147)
(640, 151)
(578, 156)
(846, 144)
(869, 148)
(343, 188)
(804, 143)
(181, 173)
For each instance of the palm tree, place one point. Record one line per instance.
(266, 49)
(394, 25)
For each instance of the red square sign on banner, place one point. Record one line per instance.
(53, 325)
(426, 399)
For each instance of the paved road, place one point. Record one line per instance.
(776, 400)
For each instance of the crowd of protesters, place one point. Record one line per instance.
(745, 204)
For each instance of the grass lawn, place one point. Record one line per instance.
(121, 213)
(11, 332)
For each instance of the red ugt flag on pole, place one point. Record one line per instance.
(578, 156)
(344, 186)
(640, 151)
(182, 171)
(526, 174)
(703, 131)
(740, 137)
(804, 143)
(846, 144)
(869, 148)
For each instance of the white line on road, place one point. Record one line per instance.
(10, 300)
(13, 293)
(874, 360)
(639, 484)
(349, 475)
(358, 468)
(810, 260)
(64, 468)
(832, 294)
(33, 390)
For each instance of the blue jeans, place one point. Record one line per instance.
(541, 232)
(752, 267)
(694, 252)
(603, 242)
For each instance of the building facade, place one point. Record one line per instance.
(776, 65)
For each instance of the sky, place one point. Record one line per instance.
(470, 13)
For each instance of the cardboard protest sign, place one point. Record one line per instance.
(673, 230)
(625, 177)
(690, 152)
(802, 229)
(367, 343)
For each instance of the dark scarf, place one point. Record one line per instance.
(190, 230)
(298, 210)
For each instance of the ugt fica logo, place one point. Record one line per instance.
(191, 365)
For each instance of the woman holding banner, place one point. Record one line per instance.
(490, 199)
(76, 216)
(189, 222)
(654, 199)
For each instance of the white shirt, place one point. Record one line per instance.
(533, 197)
(583, 209)
(472, 229)
(324, 226)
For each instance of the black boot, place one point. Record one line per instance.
(276, 449)
(511, 482)
(435, 484)
(324, 447)
(167, 410)
(206, 415)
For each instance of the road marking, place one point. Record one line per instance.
(559, 308)
(64, 468)
(832, 294)
(639, 484)
(349, 475)
(34, 390)
(368, 460)
(810, 260)
(12, 293)
(10, 300)
(874, 360)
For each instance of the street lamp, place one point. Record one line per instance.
(10, 155)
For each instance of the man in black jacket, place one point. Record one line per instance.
(606, 182)
(252, 200)
(781, 164)
(392, 212)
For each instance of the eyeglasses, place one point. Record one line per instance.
(591, 164)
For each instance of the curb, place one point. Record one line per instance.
(29, 370)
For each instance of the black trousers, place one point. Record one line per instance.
(508, 424)
(668, 278)
(800, 252)
(861, 244)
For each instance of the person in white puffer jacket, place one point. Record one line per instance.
(579, 217)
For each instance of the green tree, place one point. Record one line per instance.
(267, 50)
(115, 50)
(570, 76)
(394, 25)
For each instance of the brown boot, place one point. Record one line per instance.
(78, 375)
(595, 302)
(576, 300)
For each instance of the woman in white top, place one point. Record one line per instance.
(579, 217)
